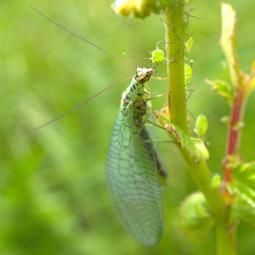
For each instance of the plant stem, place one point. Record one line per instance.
(234, 131)
(175, 31)
(202, 177)
(174, 34)
(175, 41)
(226, 240)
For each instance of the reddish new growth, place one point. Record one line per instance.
(234, 132)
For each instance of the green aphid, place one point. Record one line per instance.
(157, 56)
(201, 125)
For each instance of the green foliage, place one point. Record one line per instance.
(229, 41)
(223, 88)
(194, 216)
(243, 211)
(243, 184)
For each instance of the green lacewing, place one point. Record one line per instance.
(133, 166)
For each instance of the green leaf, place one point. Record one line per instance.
(244, 174)
(243, 186)
(242, 210)
(223, 88)
(228, 42)
(194, 216)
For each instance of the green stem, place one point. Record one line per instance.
(174, 35)
(175, 41)
(202, 177)
(225, 240)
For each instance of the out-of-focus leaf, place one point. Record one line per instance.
(223, 88)
(194, 216)
(245, 174)
(228, 42)
(242, 210)
(243, 184)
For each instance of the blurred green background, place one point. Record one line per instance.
(54, 197)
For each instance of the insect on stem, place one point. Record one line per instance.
(133, 166)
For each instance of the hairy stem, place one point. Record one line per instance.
(174, 34)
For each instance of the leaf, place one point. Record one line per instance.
(229, 42)
(223, 88)
(244, 174)
(195, 218)
(243, 186)
(242, 210)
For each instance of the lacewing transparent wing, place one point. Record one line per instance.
(133, 165)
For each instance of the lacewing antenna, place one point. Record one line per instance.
(71, 32)
(74, 108)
